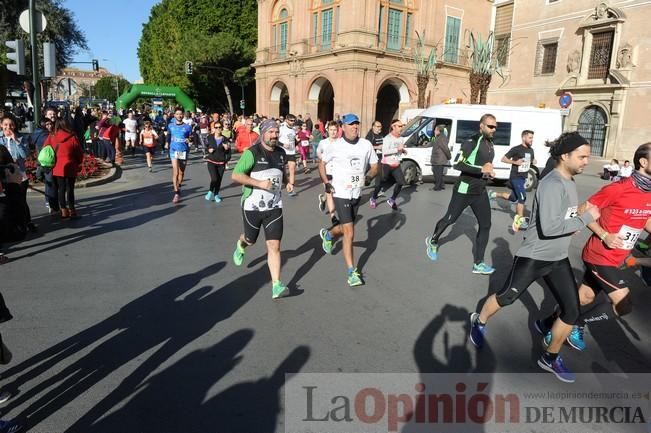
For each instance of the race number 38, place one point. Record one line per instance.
(629, 236)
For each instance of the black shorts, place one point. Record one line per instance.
(271, 220)
(291, 158)
(604, 278)
(557, 275)
(346, 209)
(149, 149)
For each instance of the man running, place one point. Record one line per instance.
(520, 157)
(287, 139)
(556, 216)
(130, 133)
(349, 157)
(625, 212)
(326, 199)
(260, 171)
(392, 147)
(179, 147)
(476, 166)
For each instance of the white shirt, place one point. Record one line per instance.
(626, 171)
(319, 152)
(390, 146)
(348, 165)
(130, 125)
(287, 138)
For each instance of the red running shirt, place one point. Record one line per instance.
(625, 210)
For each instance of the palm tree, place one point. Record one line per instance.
(425, 69)
(484, 57)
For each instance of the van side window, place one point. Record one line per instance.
(466, 129)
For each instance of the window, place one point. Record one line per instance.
(393, 32)
(280, 33)
(602, 47)
(315, 28)
(324, 25)
(326, 28)
(546, 57)
(453, 25)
(408, 27)
(282, 48)
(503, 26)
(468, 129)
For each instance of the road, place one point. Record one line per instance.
(134, 319)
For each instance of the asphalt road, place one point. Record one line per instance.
(134, 319)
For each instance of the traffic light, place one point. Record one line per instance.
(16, 52)
(188, 67)
(95, 65)
(242, 104)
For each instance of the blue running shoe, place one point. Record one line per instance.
(575, 339)
(432, 249)
(477, 331)
(558, 368)
(326, 243)
(209, 196)
(492, 195)
(482, 268)
(218, 199)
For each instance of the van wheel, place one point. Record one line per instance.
(532, 180)
(411, 172)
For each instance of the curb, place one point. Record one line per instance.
(113, 174)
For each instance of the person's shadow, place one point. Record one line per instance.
(376, 228)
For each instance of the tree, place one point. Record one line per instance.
(110, 87)
(61, 29)
(425, 68)
(220, 33)
(484, 58)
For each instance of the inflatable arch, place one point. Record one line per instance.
(137, 90)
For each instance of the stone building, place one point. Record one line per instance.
(336, 56)
(70, 83)
(592, 49)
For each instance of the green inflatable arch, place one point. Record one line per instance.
(153, 91)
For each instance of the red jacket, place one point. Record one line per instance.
(245, 139)
(69, 154)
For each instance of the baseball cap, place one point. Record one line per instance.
(350, 118)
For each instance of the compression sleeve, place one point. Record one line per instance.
(245, 164)
(553, 211)
(464, 165)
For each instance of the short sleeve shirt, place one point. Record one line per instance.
(348, 163)
(520, 152)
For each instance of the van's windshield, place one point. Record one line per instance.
(414, 124)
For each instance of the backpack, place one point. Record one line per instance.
(47, 157)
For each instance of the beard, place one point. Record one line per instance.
(273, 142)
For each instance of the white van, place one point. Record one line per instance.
(462, 122)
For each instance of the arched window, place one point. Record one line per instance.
(395, 24)
(325, 24)
(280, 33)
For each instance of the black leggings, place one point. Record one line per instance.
(66, 184)
(390, 175)
(481, 207)
(559, 278)
(216, 176)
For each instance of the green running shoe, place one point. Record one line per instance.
(355, 279)
(238, 254)
(326, 244)
(279, 290)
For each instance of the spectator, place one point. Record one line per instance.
(13, 221)
(69, 156)
(626, 170)
(610, 170)
(245, 137)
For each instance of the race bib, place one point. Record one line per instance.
(305, 143)
(355, 180)
(276, 183)
(204, 130)
(526, 164)
(571, 212)
(179, 155)
(629, 236)
(148, 141)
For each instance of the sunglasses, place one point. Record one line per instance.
(491, 126)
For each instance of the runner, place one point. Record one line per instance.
(260, 171)
(179, 147)
(130, 133)
(349, 157)
(148, 138)
(326, 197)
(304, 148)
(543, 254)
(287, 139)
(204, 132)
(476, 166)
(219, 153)
(520, 157)
(625, 212)
(392, 146)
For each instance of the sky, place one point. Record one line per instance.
(112, 30)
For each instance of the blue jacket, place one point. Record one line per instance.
(17, 149)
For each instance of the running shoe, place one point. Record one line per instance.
(524, 223)
(477, 331)
(209, 196)
(326, 244)
(238, 254)
(558, 368)
(10, 427)
(4, 396)
(392, 203)
(516, 223)
(322, 202)
(292, 194)
(355, 279)
(279, 290)
(176, 198)
(218, 199)
(482, 268)
(575, 339)
(372, 203)
(432, 249)
(492, 194)
(151, 169)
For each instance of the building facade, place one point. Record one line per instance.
(336, 56)
(72, 83)
(591, 51)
